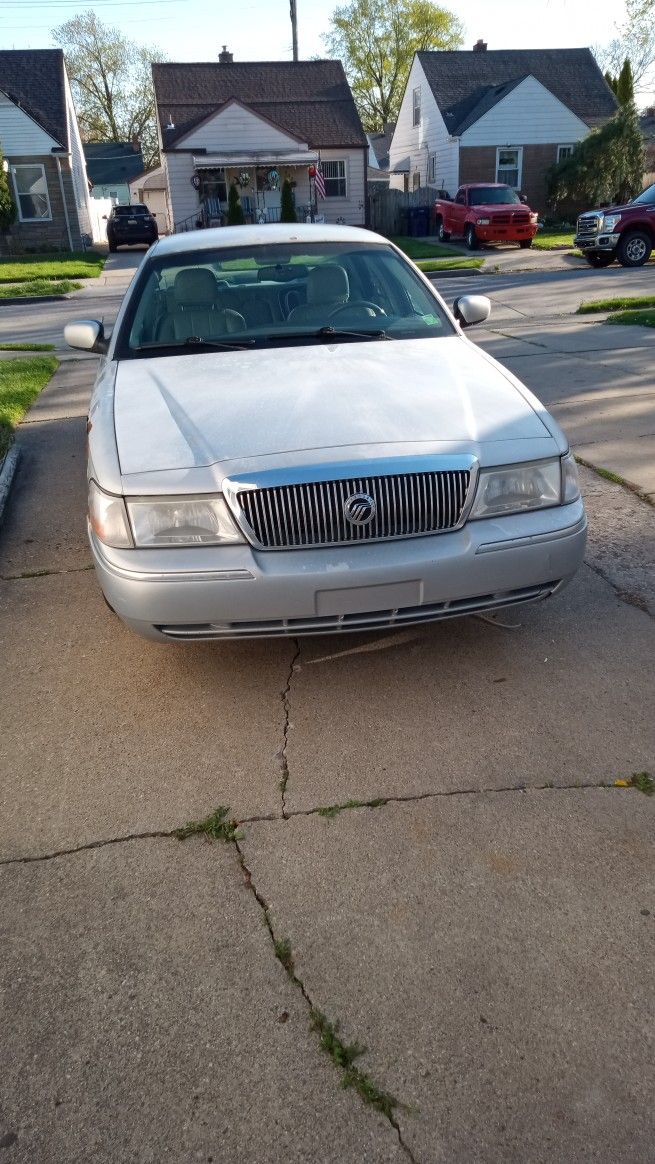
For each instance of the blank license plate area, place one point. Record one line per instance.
(361, 599)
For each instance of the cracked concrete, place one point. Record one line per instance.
(486, 931)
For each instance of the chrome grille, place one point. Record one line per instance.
(588, 225)
(313, 513)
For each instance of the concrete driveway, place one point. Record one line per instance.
(431, 936)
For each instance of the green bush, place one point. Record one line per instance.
(288, 209)
(235, 215)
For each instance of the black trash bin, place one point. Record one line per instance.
(422, 220)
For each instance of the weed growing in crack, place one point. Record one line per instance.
(218, 826)
(283, 953)
(343, 1055)
(643, 782)
(331, 810)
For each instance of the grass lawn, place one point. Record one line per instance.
(621, 303)
(643, 318)
(553, 239)
(416, 248)
(38, 287)
(27, 347)
(20, 384)
(85, 265)
(450, 264)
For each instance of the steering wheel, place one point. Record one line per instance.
(369, 307)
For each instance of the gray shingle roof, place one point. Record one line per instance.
(34, 79)
(468, 84)
(112, 161)
(311, 100)
(380, 144)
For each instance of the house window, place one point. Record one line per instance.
(416, 106)
(508, 166)
(334, 176)
(416, 180)
(564, 151)
(433, 167)
(32, 193)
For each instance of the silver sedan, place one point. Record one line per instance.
(291, 434)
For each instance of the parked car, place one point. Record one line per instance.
(127, 225)
(626, 233)
(486, 212)
(290, 434)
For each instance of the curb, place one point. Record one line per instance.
(454, 273)
(16, 300)
(7, 473)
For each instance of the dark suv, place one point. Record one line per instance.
(130, 224)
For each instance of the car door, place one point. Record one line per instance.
(459, 212)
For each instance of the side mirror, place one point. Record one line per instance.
(88, 335)
(470, 309)
(524, 198)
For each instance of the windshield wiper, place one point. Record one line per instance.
(328, 330)
(198, 341)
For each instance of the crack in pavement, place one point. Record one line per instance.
(286, 706)
(317, 810)
(294, 977)
(27, 574)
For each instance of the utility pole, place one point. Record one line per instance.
(294, 27)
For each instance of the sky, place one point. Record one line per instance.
(195, 30)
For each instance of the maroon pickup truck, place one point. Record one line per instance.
(626, 233)
(485, 212)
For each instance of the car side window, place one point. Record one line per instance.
(461, 197)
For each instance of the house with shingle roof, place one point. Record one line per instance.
(41, 144)
(111, 166)
(256, 123)
(500, 116)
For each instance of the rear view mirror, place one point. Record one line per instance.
(470, 309)
(88, 335)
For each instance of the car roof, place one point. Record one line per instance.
(271, 233)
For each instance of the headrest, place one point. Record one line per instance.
(327, 283)
(195, 286)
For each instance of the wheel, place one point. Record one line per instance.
(112, 247)
(444, 235)
(634, 248)
(524, 243)
(599, 260)
(470, 237)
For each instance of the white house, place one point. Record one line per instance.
(41, 143)
(255, 124)
(501, 116)
(150, 189)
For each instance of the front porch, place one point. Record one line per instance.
(259, 179)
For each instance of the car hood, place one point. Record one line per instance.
(612, 209)
(319, 403)
(502, 208)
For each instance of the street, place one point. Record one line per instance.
(431, 858)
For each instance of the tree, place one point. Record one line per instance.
(287, 208)
(7, 204)
(235, 215)
(377, 39)
(636, 41)
(111, 80)
(625, 89)
(607, 166)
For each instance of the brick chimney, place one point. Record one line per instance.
(225, 57)
(480, 46)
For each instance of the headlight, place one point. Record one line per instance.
(182, 521)
(610, 221)
(483, 221)
(517, 488)
(534, 218)
(108, 518)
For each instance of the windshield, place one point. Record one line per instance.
(265, 296)
(493, 196)
(130, 211)
(647, 196)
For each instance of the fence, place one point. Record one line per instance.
(388, 208)
(98, 208)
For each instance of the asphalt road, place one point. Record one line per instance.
(432, 855)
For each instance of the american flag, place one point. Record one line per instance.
(319, 182)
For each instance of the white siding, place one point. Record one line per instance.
(529, 115)
(20, 136)
(236, 128)
(78, 165)
(183, 199)
(419, 142)
(352, 208)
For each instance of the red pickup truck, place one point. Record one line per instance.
(485, 212)
(626, 233)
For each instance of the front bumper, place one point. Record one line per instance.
(493, 233)
(237, 592)
(599, 242)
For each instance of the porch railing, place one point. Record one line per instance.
(206, 216)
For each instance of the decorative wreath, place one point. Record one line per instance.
(244, 178)
(273, 179)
